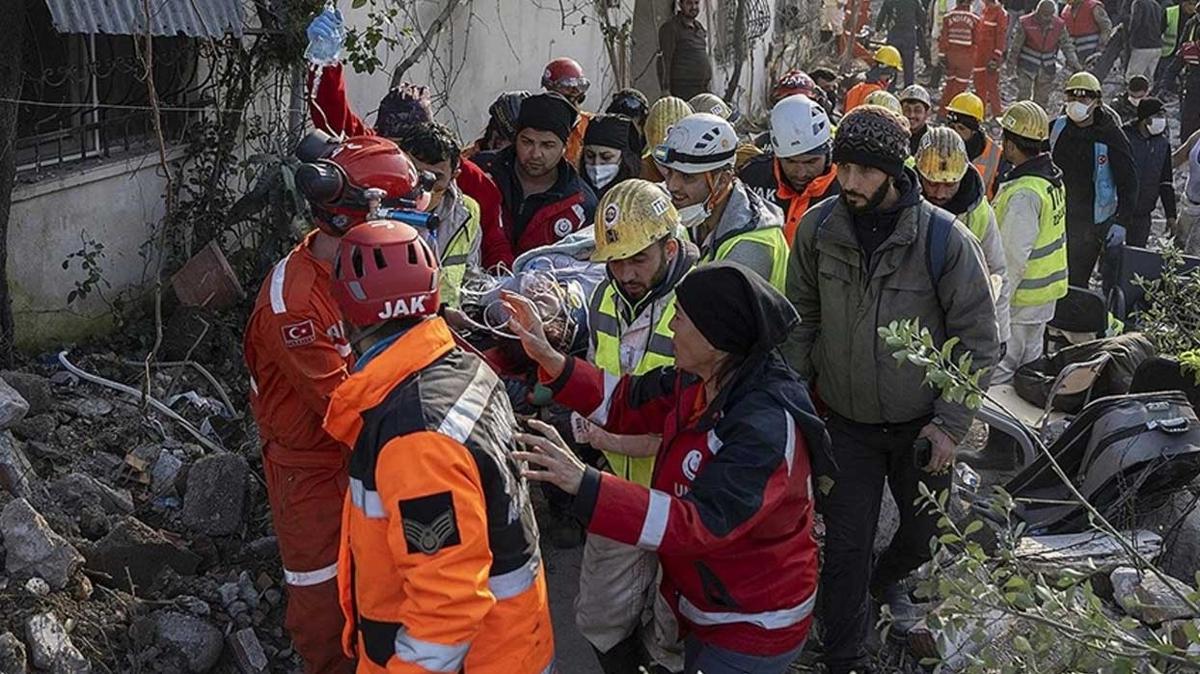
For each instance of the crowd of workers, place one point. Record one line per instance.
(727, 381)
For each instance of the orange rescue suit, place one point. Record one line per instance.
(798, 202)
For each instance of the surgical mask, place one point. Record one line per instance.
(1156, 126)
(1078, 111)
(692, 216)
(602, 174)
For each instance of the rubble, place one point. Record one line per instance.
(50, 646)
(194, 642)
(15, 469)
(134, 552)
(12, 655)
(248, 652)
(1148, 598)
(35, 389)
(215, 498)
(13, 406)
(34, 549)
(79, 490)
(40, 427)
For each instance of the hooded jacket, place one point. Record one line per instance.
(844, 296)
(1156, 181)
(763, 176)
(540, 219)
(744, 213)
(1073, 152)
(1019, 225)
(970, 206)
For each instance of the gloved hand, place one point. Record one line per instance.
(1115, 236)
(327, 26)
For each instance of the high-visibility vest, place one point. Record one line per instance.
(988, 164)
(456, 252)
(1045, 278)
(1104, 205)
(1082, 27)
(771, 237)
(977, 219)
(1040, 49)
(1171, 34)
(657, 351)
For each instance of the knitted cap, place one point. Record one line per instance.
(874, 136)
(1148, 107)
(402, 108)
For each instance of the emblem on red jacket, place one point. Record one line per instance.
(299, 334)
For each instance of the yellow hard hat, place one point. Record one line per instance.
(942, 155)
(1027, 120)
(632, 215)
(710, 103)
(665, 112)
(967, 103)
(1084, 81)
(889, 56)
(884, 99)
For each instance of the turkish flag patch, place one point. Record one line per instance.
(299, 334)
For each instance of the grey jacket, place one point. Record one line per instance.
(843, 301)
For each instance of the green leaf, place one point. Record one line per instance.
(972, 527)
(949, 539)
(358, 4)
(1021, 644)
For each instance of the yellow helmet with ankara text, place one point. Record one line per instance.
(1027, 120)
(942, 156)
(632, 215)
(889, 56)
(968, 104)
(665, 112)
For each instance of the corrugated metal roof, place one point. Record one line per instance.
(193, 18)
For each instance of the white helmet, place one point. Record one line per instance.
(698, 143)
(799, 126)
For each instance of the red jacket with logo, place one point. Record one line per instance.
(730, 510)
(539, 219)
(991, 35)
(958, 32)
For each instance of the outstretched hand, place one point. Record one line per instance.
(549, 458)
(526, 323)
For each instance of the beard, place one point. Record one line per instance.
(872, 201)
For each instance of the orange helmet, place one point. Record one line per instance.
(384, 270)
(565, 76)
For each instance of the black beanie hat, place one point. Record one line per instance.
(548, 112)
(872, 135)
(735, 309)
(614, 131)
(1148, 107)
(401, 109)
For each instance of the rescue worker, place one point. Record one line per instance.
(916, 103)
(1089, 26)
(296, 352)
(1040, 36)
(501, 128)
(1147, 134)
(957, 47)
(965, 116)
(730, 512)
(439, 568)
(1125, 105)
(544, 199)
(902, 21)
(564, 76)
(610, 153)
(634, 105)
(725, 219)
(1169, 65)
(882, 75)
(1189, 55)
(630, 318)
(949, 181)
(991, 36)
(1147, 22)
(885, 99)
(402, 107)
(665, 112)
(1031, 212)
(798, 172)
(1099, 176)
(849, 257)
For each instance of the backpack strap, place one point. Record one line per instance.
(826, 208)
(936, 242)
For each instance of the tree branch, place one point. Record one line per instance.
(427, 38)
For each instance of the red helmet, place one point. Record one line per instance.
(341, 179)
(384, 270)
(793, 82)
(565, 76)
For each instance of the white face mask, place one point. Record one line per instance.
(1156, 126)
(602, 174)
(692, 216)
(1078, 111)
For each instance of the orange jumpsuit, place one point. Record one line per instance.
(439, 568)
(957, 44)
(296, 353)
(858, 93)
(822, 186)
(990, 39)
(574, 150)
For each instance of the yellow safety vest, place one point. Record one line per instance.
(772, 238)
(1045, 278)
(1171, 34)
(456, 252)
(658, 351)
(977, 219)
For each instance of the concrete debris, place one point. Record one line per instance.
(194, 605)
(199, 643)
(135, 552)
(216, 492)
(90, 408)
(34, 549)
(35, 389)
(248, 652)
(40, 427)
(15, 469)
(207, 280)
(164, 473)
(12, 655)
(37, 587)
(79, 490)
(1148, 598)
(1092, 552)
(13, 406)
(50, 646)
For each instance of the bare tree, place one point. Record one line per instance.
(10, 91)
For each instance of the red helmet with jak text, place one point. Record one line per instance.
(565, 76)
(384, 270)
(340, 180)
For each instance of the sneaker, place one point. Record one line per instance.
(905, 614)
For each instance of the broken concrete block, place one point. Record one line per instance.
(15, 469)
(13, 406)
(35, 389)
(199, 643)
(135, 552)
(1089, 552)
(248, 652)
(79, 490)
(12, 655)
(216, 494)
(1148, 598)
(33, 548)
(162, 475)
(50, 647)
(39, 428)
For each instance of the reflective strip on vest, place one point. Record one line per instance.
(988, 164)
(461, 418)
(1045, 278)
(278, 276)
(654, 526)
(1040, 49)
(458, 252)
(513, 583)
(770, 620)
(772, 238)
(1104, 202)
(366, 500)
(428, 655)
(310, 578)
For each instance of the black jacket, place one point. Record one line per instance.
(1147, 21)
(759, 176)
(1073, 152)
(903, 20)
(539, 219)
(1152, 156)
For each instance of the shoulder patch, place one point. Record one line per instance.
(299, 334)
(429, 523)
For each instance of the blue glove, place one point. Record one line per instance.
(327, 27)
(1115, 237)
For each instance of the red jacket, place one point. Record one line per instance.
(958, 32)
(730, 510)
(330, 111)
(539, 219)
(991, 35)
